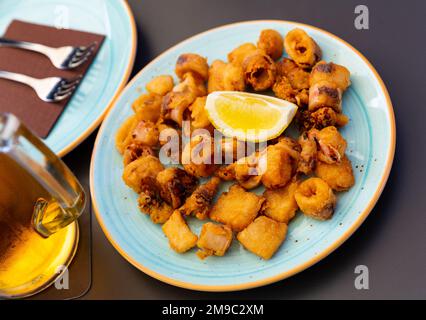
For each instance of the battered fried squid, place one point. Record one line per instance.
(271, 42)
(198, 203)
(192, 63)
(302, 48)
(259, 71)
(176, 185)
(330, 72)
(151, 203)
(338, 176)
(331, 144)
(198, 156)
(315, 199)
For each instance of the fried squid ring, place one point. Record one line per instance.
(192, 63)
(259, 71)
(315, 198)
(160, 85)
(271, 42)
(325, 94)
(302, 48)
(330, 72)
(238, 55)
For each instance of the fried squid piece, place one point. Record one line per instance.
(325, 94)
(199, 118)
(330, 72)
(176, 185)
(263, 236)
(148, 107)
(145, 133)
(259, 71)
(135, 151)
(280, 204)
(233, 77)
(302, 48)
(123, 136)
(214, 239)
(315, 198)
(332, 145)
(160, 85)
(175, 104)
(245, 171)
(151, 203)
(277, 166)
(198, 203)
(136, 171)
(232, 149)
(339, 176)
(282, 89)
(238, 55)
(198, 156)
(192, 63)
(216, 74)
(271, 42)
(298, 77)
(180, 236)
(319, 119)
(308, 155)
(236, 208)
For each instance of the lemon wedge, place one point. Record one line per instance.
(248, 116)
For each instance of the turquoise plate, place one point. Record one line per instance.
(371, 142)
(107, 75)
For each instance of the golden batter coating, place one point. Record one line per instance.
(272, 43)
(308, 155)
(134, 151)
(214, 239)
(263, 237)
(148, 107)
(216, 74)
(233, 77)
(282, 89)
(198, 156)
(145, 133)
(236, 208)
(339, 176)
(238, 55)
(325, 94)
(176, 185)
(160, 85)
(315, 198)
(198, 203)
(276, 167)
(302, 48)
(330, 72)
(123, 136)
(192, 63)
(280, 204)
(180, 236)
(319, 119)
(332, 145)
(136, 171)
(298, 77)
(259, 71)
(151, 203)
(199, 118)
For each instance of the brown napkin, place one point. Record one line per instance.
(20, 99)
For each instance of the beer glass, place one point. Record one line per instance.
(40, 201)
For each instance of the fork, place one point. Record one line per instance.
(53, 89)
(67, 57)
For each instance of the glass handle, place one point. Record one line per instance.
(65, 198)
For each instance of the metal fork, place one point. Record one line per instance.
(53, 89)
(62, 58)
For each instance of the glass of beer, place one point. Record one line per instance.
(40, 201)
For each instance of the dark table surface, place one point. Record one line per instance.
(392, 241)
